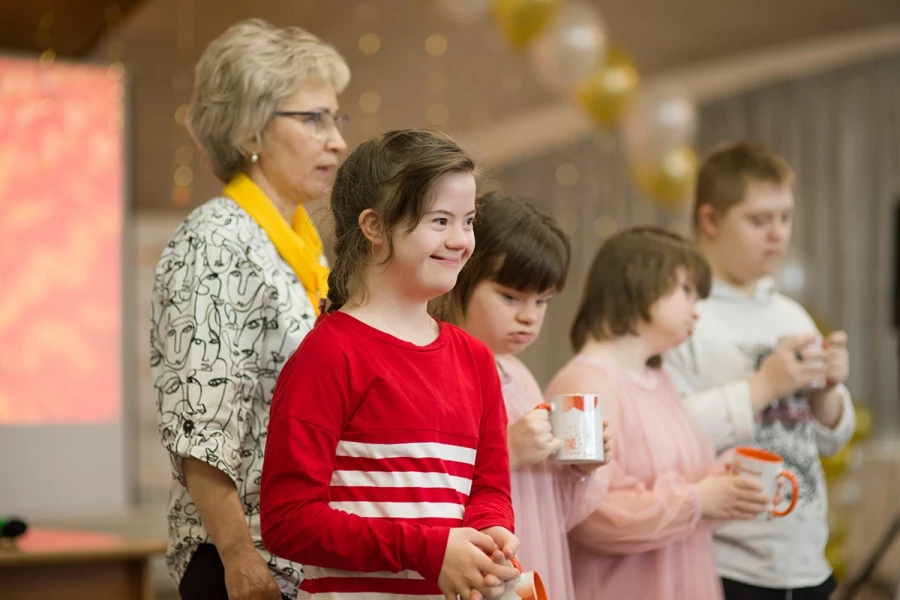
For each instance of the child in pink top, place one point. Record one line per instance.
(520, 261)
(650, 537)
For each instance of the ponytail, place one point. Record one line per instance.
(337, 290)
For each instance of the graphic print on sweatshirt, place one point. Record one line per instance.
(785, 427)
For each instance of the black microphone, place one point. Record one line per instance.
(12, 528)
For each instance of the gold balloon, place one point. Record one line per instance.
(522, 20)
(835, 466)
(863, 423)
(608, 92)
(836, 554)
(669, 183)
(840, 522)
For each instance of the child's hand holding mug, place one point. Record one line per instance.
(530, 439)
(468, 570)
(837, 359)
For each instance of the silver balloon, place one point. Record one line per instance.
(463, 11)
(658, 123)
(571, 47)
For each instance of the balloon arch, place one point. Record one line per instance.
(570, 50)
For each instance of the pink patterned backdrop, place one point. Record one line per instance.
(61, 213)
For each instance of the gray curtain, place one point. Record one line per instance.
(841, 132)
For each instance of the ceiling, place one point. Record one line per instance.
(69, 27)
(477, 81)
(661, 33)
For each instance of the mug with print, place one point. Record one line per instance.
(577, 421)
(768, 468)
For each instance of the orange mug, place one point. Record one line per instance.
(527, 586)
(768, 468)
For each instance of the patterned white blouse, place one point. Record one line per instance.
(227, 311)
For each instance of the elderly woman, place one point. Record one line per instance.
(236, 290)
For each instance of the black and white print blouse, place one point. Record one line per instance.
(227, 311)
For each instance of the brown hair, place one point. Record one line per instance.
(393, 174)
(630, 272)
(518, 245)
(728, 169)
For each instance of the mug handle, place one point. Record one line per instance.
(794, 495)
(544, 405)
(537, 585)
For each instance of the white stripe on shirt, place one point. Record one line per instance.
(401, 479)
(364, 596)
(416, 450)
(402, 510)
(312, 572)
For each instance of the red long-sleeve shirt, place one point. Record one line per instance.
(376, 448)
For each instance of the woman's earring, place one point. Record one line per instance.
(254, 157)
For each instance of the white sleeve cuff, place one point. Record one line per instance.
(724, 414)
(740, 414)
(832, 440)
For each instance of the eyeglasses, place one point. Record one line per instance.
(322, 122)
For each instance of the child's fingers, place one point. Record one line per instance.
(483, 542)
(837, 338)
(494, 592)
(511, 547)
(503, 572)
(747, 485)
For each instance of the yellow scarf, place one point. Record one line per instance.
(298, 244)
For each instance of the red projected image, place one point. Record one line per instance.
(61, 211)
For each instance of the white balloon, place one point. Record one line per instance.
(793, 276)
(658, 123)
(463, 11)
(570, 49)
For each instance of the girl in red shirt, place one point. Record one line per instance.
(386, 467)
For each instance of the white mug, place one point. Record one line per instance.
(527, 586)
(577, 421)
(768, 468)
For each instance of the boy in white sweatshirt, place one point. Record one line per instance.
(754, 373)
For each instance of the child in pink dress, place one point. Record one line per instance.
(520, 261)
(650, 538)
